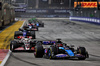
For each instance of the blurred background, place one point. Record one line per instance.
(43, 4)
(54, 8)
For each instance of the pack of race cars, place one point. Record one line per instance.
(24, 41)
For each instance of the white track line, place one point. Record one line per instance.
(5, 59)
(9, 52)
(23, 24)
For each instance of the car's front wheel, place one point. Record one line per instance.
(82, 50)
(52, 52)
(39, 51)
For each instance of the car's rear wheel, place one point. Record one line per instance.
(42, 24)
(37, 28)
(33, 35)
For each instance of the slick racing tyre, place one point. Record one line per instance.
(52, 52)
(82, 50)
(13, 46)
(39, 51)
(33, 35)
(42, 24)
(37, 28)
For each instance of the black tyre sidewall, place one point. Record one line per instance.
(82, 51)
(53, 52)
(39, 51)
(33, 35)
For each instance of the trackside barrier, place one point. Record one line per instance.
(86, 19)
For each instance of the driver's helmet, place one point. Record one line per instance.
(59, 43)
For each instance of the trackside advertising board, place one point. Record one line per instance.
(43, 13)
(86, 4)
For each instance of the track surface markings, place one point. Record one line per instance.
(5, 37)
(76, 33)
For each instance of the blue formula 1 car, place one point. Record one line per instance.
(60, 50)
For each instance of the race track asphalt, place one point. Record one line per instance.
(76, 33)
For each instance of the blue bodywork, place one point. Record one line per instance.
(67, 54)
(37, 24)
(48, 42)
(70, 53)
(24, 33)
(62, 48)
